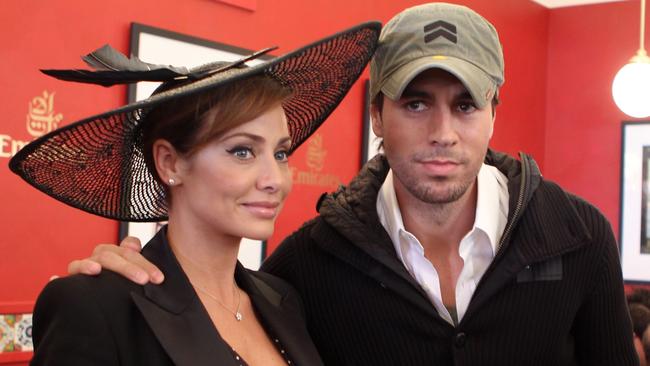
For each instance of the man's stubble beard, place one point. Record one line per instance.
(427, 190)
(429, 193)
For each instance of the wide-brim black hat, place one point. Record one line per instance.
(97, 164)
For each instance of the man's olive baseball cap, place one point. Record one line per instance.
(438, 35)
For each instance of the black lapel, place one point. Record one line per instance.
(175, 314)
(281, 319)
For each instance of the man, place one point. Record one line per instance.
(442, 251)
(639, 305)
(640, 316)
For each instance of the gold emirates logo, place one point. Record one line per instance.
(316, 153)
(315, 161)
(41, 119)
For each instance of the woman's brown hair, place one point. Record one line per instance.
(190, 122)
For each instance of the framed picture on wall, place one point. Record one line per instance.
(635, 202)
(370, 143)
(159, 46)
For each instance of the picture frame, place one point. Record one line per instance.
(160, 46)
(635, 202)
(370, 141)
(16, 342)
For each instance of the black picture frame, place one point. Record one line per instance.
(634, 217)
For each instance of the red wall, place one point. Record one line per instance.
(587, 47)
(39, 236)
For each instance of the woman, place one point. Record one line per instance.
(209, 152)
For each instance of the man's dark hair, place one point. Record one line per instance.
(640, 295)
(640, 315)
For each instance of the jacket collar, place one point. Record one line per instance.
(183, 327)
(544, 210)
(175, 315)
(542, 226)
(552, 225)
(352, 208)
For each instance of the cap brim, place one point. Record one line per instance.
(477, 82)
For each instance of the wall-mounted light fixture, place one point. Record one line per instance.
(631, 86)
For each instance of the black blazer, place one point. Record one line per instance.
(108, 320)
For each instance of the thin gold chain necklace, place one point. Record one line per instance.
(236, 313)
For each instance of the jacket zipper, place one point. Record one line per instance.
(520, 203)
(524, 181)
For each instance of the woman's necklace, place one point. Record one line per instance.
(236, 313)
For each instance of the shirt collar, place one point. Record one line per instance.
(389, 212)
(492, 195)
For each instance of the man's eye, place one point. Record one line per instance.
(241, 152)
(466, 107)
(415, 106)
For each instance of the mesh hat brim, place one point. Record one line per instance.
(97, 164)
(476, 81)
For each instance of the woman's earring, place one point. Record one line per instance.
(171, 181)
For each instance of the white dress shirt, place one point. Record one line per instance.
(477, 248)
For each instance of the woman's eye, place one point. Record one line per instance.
(241, 152)
(282, 155)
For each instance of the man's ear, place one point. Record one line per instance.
(376, 121)
(494, 117)
(167, 161)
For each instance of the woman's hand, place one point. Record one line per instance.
(125, 260)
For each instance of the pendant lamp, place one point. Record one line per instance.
(631, 86)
